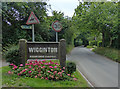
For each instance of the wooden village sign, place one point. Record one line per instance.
(42, 50)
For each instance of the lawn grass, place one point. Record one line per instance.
(17, 81)
(111, 53)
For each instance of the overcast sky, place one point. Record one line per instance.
(65, 6)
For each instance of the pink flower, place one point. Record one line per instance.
(29, 66)
(46, 63)
(19, 67)
(55, 66)
(75, 79)
(33, 69)
(23, 70)
(54, 72)
(42, 77)
(11, 64)
(52, 76)
(21, 64)
(60, 69)
(56, 77)
(39, 66)
(63, 67)
(48, 71)
(43, 60)
(68, 74)
(46, 78)
(18, 74)
(29, 71)
(36, 60)
(50, 67)
(36, 76)
(34, 64)
(39, 74)
(42, 63)
(9, 72)
(26, 69)
(26, 64)
(73, 76)
(43, 66)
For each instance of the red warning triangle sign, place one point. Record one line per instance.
(32, 19)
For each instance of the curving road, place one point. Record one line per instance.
(99, 70)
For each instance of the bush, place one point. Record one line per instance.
(99, 43)
(91, 43)
(12, 55)
(71, 67)
(89, 46)
(48, 70)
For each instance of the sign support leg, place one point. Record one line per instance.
(56, 36)
(33, 39)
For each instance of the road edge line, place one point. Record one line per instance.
(85, 78)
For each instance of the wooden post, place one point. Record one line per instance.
(23, 50)
(62, 53)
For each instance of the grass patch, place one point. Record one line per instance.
(17, 81)
(108, 52)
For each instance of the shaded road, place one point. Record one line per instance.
(99, 70)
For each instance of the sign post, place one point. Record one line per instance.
(33, 38)
(57, 27)
(32, 20)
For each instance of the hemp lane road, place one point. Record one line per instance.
(99, 70)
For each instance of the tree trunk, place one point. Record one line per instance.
(103, 39)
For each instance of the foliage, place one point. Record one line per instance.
(89, 46)
(98, 18)
(71, 67)
(108, 52)
(99, 43)
(12, 55)
(41, 69)
(94, 42)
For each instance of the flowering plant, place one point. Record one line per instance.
(48, 70)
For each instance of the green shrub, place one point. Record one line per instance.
(91, 43)
(71, 67)
(89, 46)
(99, 43)
(12, 55)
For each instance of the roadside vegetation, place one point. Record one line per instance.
(109, 52)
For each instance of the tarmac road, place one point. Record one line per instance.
(99, 70)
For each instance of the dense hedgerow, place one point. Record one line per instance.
(48, 70)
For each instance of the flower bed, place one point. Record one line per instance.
(47, 70)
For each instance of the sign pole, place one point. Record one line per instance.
(33, 39)
(56, 36)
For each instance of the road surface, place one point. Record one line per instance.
(99, 70)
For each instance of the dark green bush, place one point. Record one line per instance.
(12, 55)
(71, 67)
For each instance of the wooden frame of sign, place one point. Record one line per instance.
(42, 50)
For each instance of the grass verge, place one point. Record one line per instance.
(69, 48)
(109, 52)
(17, 81)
